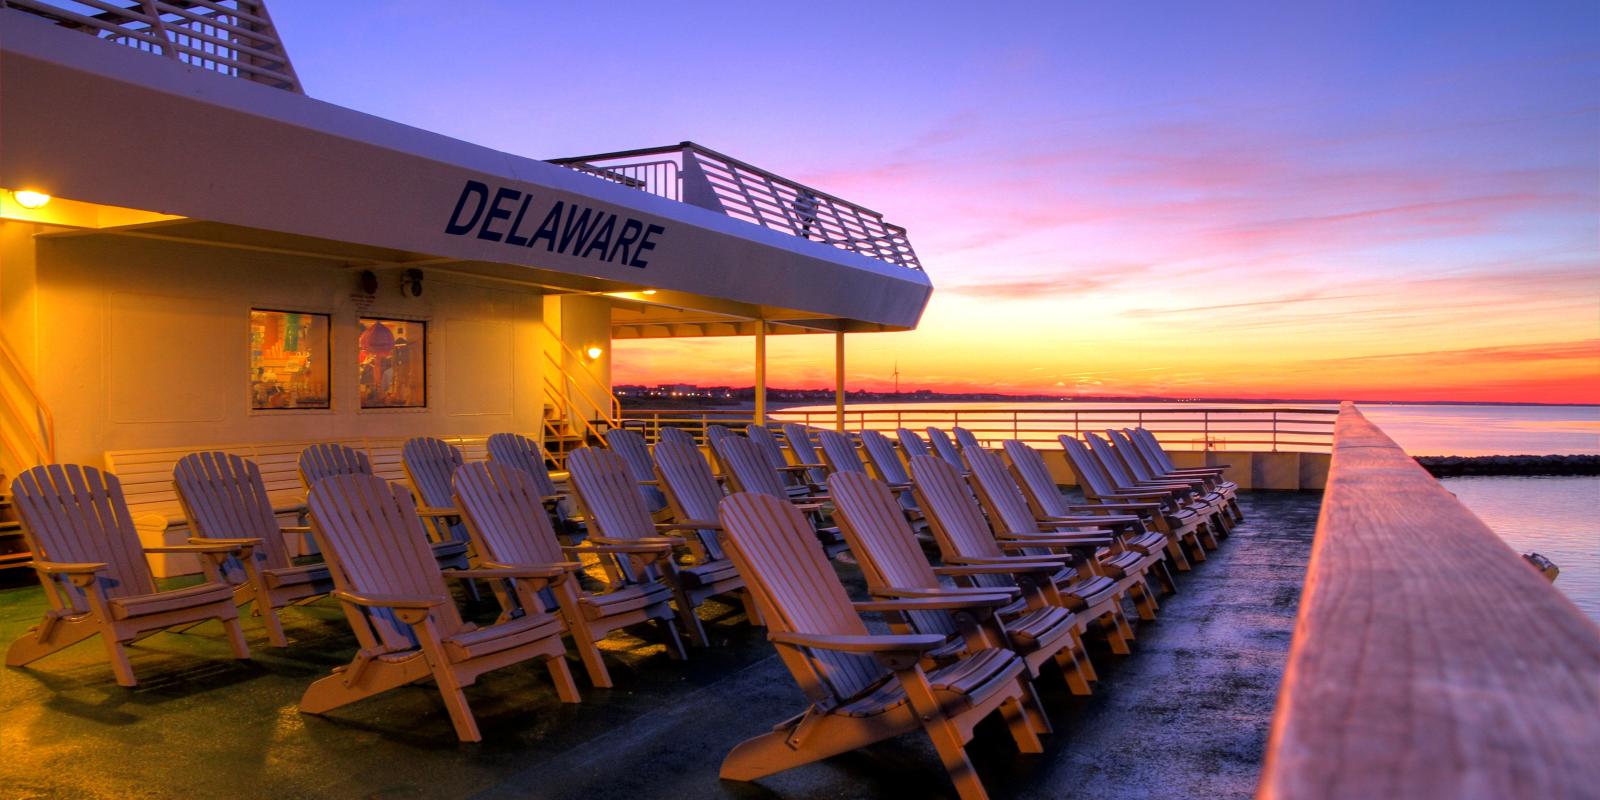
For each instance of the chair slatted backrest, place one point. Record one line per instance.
(945, 449)
(839, 453)
(504, 509)
(516, 450)
(762, 436)
(1152, 448)
(692, 491)
(76, 514)
(1136, 450)
(1095, 483)
(799, 439)
(747, 469)
(717, 433)
(885, 461)
(912, 443)
(630, 445)
(883, 542)
(674, 434)
(431, 464)
(609, 493)
(1130, 456)
(1110, 463)
(1028, 464)
(1002, 499)
(965, 439)
(797, 591)
(373, 539)
(327, 459)
(954, 514)
(224, 497)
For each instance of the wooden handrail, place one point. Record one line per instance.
(1429, 661)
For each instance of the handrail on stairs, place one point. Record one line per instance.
(40, 431)
(611, 405)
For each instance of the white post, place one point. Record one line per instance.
(838, 380)
(761, 372)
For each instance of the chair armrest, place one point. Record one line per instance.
(1118, 506)
(298, 529)
(795, 467)
(946, 591)
(553, 498)
(1052, 540)
(217, 546)
(1092, 520)
(389, 600)
(239, 543)
(886, 643)
(935, 603)
(651, 482)
(653, 544)
(438, 511)
(1029, 563)
(689, 525)
(70, 568)
(1007, 568)
(496, 571)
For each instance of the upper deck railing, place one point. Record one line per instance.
(1429, 661)
(689, 173)
(1179, 427)
(232, 37)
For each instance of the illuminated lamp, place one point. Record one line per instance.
(27, 198)
(648, 291)
(594, 352)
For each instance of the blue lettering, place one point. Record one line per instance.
(547, 229)
(577, 230)
(629, 235)
(602, 238)
(645, 244)
(511, 236)
(455, 227)
(497, 212)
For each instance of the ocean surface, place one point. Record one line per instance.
(1553, 516)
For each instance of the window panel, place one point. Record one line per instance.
(288, 360)
(393, 363)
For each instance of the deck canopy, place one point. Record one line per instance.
(186, 151)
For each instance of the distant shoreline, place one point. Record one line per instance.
(630, 403)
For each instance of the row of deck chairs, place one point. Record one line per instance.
(1032, 575)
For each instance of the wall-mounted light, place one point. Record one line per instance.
(411, 283)
(594, 352)
(648, 292)
(27, 198)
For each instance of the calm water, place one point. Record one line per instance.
(1553, 516)
(1489, 430)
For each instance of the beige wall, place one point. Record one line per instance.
(144, 343)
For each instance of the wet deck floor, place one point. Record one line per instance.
(1185, 716)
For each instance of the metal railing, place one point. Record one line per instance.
(1181, 427)
(27, 428)
(699, 176)
(233, 37)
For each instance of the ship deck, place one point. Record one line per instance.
(1186, 715)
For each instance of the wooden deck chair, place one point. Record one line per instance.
(798, 439)
(223, 497)
(863, 687)
(749, 471)
(887, 467)
(95, 576)
(394, 596)
(965, 439)
(1132, 461)
(635, 454)
(503, 508)
(1160, 463)
(946, 449)
(618, 517)
(520, 452)
(714, 435)
(321, 461)
(430, 464)
(895, 566)
(1181, 494)
(796, 477)
(1101, 551)
(1180, 526)
(674, 434)
(911, 444)
(1048, 505)
(965, 538)
(839, 452)
(693, 494)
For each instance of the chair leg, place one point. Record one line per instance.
(675, 642)
(455, 701)
(1084, 662)
(1116, 636)
(1021, 728)
(230, 625)
(687, 617)
(269, 618)
(1070, 660)
(1176, 556)
(1038, 722)
(561, 675)
(1144, 600)
(751, 612)
(119, 661)
(953, 752)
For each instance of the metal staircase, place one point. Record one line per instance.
(27, 439)
(578, 407)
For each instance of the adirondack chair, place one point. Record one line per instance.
(1011, 518)
(888, 467)
(798, 438)
(964, 537)
(911, 443)
(796, 477)
(322, 461)
(95, 576)
(894, 565)
(430, 464)
(672, 434)
(1047, 503)
(503, 508)
(749, 471)
(716, 434)
(519, 451)
(407, 624)
(965, 439)
(1160, 463)
(635, 454)
(1180, 526)
(863, 687)
(1133, 463)
(1181, 495)
(946, 449)
(618, 517)
(839, 453)
(693, 494)
(223, 497)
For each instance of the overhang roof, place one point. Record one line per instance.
(86, 120)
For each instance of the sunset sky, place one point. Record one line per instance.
(1369, 201)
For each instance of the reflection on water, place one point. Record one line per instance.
(1548, 515)
(1489, 430)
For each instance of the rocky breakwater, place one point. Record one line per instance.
(1459, 466)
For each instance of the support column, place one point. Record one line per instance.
(838, 380)
(761, 372)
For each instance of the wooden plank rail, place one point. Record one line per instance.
(1429, 661)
